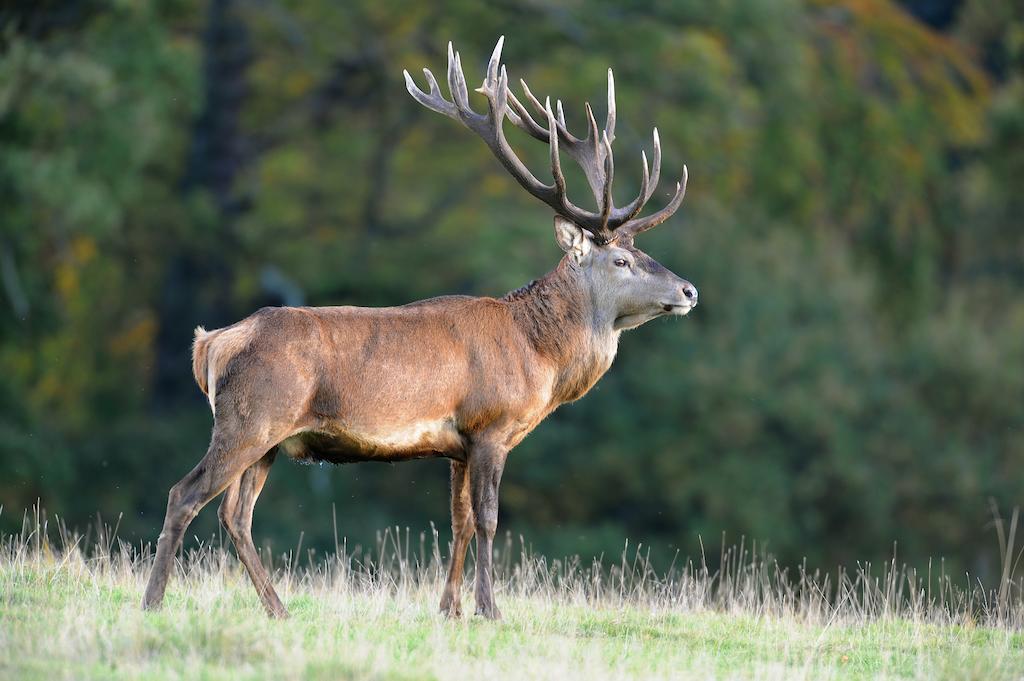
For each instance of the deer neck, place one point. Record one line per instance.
(559, 315)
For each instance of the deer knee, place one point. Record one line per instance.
(226, 513)
(176, 505)
(485, 479)
(462, 515)
(464, 531)
(486, 522)
(182, 507)
(232, 516)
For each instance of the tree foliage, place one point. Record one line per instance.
(853, 377)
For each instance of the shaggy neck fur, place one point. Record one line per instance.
(560, 317)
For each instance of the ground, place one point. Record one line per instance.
(63, 615)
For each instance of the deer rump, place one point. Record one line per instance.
(352, 384)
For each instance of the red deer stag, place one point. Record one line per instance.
(459, 377)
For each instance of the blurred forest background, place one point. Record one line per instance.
(854, 376)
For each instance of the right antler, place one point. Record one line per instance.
(593, 153)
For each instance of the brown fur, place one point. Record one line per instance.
(552, 313)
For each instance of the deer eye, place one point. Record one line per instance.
(621, 263)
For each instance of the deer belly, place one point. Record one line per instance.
(419, 440)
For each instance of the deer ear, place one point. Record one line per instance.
(574, 240)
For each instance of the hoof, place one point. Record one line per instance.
(452, 611)
(492, 613)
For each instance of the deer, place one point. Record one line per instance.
(458, 377)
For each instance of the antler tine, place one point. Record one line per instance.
(562, 128)
(644, 188)
(642, 225)
(530, 126)
(435, 89)
(524, 121)
(592, 133)
(457, 82)
(609, 174)
(556, 164)
(534, 102)
(634, 207)
(495, 86)
(609, 126)
(494, 62)
(501, 98)
(655, 166)
(433, 101)
(453, 81)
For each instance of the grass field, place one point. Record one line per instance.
(71, 613)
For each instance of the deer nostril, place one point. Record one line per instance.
(690, 292)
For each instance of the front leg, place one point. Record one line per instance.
(462, 532)
(486, 462)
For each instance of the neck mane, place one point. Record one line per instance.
(558, 316)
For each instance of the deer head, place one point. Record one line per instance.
(627, 287)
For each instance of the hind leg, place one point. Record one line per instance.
(224, 462)
(236, 516)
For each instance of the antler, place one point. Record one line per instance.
(593, 153)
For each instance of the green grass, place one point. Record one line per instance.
(66, 615)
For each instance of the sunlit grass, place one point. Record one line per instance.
(69, 613)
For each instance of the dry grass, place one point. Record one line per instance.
(69, 608)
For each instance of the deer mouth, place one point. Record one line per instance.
(677, 308)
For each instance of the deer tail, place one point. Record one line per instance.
(212, 350)
(200, 357)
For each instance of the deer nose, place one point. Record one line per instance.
(690, 291)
